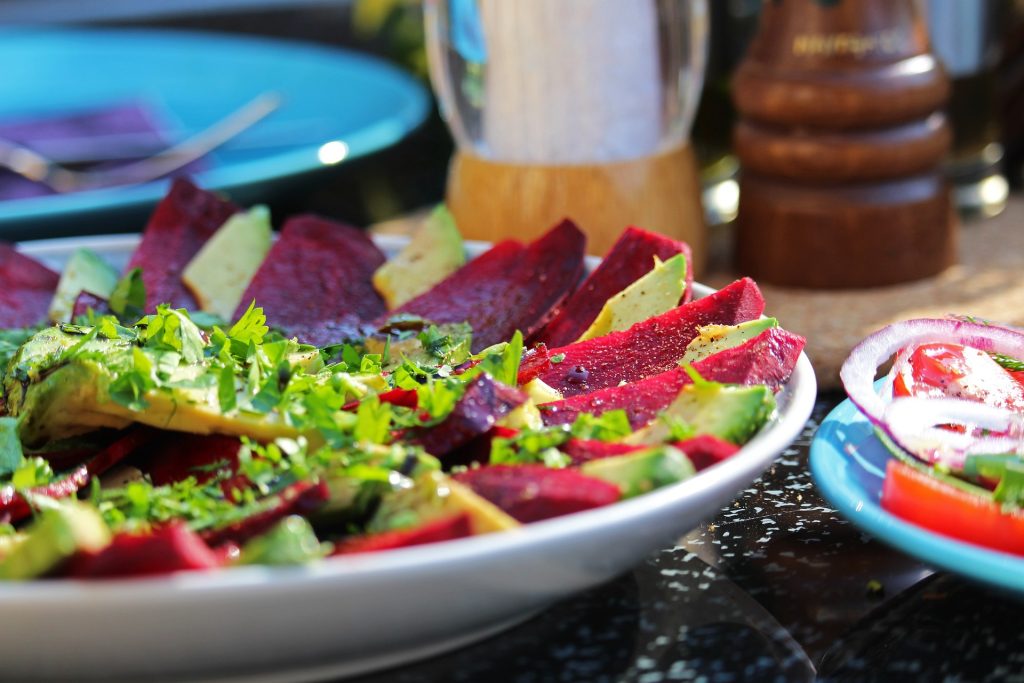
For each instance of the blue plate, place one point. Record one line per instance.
(329, 95)
(848, 463)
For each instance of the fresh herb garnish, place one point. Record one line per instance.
(1011, 364)
(612, 425)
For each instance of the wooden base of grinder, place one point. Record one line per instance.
(853, 236)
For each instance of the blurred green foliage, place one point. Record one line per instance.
(395, 27)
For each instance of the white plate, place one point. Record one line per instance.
(349, 615)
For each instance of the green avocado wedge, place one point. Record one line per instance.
(60, 530)
(641, 471)
(732, 413)
(84, 272)
(69, 380)
(218, 275)
(714, 338)
(434, 252)
(653, 294)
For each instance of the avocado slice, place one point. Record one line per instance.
(219, 273)
(434, 252)
(290, 541)
(75, 399)
(56, 399)
(653, 294)
(711, 339)
(60, 530)
(433, 495)
(524, 416)
(732, 413)
(85, 272)
(641, 471)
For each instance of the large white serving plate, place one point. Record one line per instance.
(353, 614)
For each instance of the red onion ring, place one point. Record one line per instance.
(916, 425)
(858, 377)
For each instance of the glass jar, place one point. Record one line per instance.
(570, 108)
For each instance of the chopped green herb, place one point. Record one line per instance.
(1007, 362)
(128, 300)
(612, 425)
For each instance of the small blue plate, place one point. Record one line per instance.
(195, 78)
(848, 464)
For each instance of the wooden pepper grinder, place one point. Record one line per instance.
(840, 138)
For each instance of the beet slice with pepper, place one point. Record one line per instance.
(629, 259)
(14, 506)
(768, 358)
(181, 224)
(530, 493)
(507, 288)
(169, 548)
(484, 402)
(443, 529)
(26, 288)
(317, 272)
(300, 498)
(649, 347)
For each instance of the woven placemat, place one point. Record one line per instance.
(988, 283)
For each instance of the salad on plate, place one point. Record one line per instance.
(951, 411)
(234, 399)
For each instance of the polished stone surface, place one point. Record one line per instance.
(777, 587)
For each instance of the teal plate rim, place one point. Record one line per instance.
(292, 162)
(847, 462)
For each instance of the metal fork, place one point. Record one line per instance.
(34, 166)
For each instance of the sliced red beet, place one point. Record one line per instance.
(179, 227)
(86, 301)
(66, 458)
(348, 329)
(705, 450)
(534, 362)
(300, 498)
(166, 549)
(630, 258)
(768, 358)
(530, 493)
(652, 346)
(483, 403)
(508, 288)
(26, 289)
(585, 450)
(132, 439)
(179, 456)
(14, 506)
(317, 271)
(444, 529)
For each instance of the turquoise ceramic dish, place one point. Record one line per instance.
(848, 465)
(329, 95)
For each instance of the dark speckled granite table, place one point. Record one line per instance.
(776, 588)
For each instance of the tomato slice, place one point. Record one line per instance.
(940, 369)
(928, 502)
